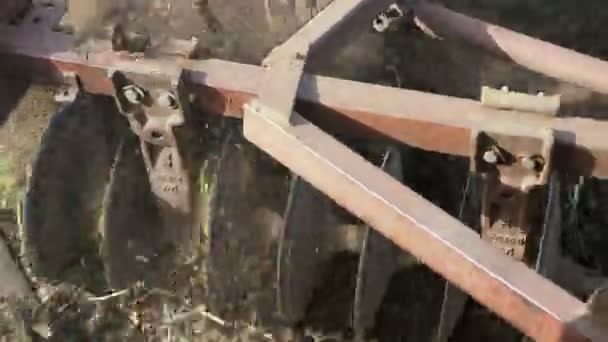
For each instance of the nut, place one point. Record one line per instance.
(133, 94)
(490, 157)
(166, 99)
(531, 163)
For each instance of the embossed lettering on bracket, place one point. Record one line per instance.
(519, 240)
(169, 183)
(510, 242)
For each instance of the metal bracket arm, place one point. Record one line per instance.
(154, 110)
(511, 168)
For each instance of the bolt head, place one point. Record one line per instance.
(166, 99)
(381, 23)
(528, 163)
(490, 157)
(133, 94)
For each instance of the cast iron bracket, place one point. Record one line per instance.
(154, 110)
(511, 167)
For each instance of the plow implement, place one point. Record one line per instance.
(280, 188)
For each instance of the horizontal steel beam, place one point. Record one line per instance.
(427, 121)
(531, 303)
(537, 55)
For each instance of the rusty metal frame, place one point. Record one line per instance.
(531, 303)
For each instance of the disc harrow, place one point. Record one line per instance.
(289, 197)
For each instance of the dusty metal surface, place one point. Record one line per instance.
(247, 200)
(512, 168)
(69, 171)
(307, 239)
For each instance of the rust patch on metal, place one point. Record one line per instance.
(425, 135)
(153, 113)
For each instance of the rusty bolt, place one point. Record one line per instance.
(133, 94)
(166, 99)
(490, 157)
(530, 163)
(383, 21)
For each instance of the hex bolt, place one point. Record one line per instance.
(380, 23)
(133, 94)
(490, 157)
(383, 20)
(530, 163)
(166, 99)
